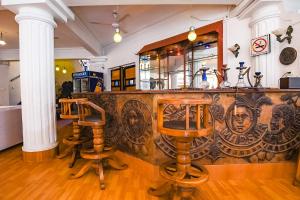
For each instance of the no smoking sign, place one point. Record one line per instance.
(260, 45)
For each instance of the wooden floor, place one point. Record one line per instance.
(50, 180)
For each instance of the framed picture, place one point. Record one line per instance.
(260, 45)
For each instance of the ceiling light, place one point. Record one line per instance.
(57, 68)
(2, 42)
(207, 46)
(117, 36)
(192, 34)
(64, 71)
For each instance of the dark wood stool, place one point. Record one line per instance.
(183, 176)
(75, 141)
(99, 152)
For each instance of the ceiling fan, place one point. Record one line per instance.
(116, 23)
(209, 20)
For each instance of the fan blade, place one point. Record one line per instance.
(99, 23)
(124, 17)
(202, 20)
(123, 31)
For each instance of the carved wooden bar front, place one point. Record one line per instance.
(250, 126)
(74, 142)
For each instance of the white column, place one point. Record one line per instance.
(36, 41)
(265, 19)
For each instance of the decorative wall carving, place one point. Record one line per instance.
(136, 121)
(248, 127)
(240, 134)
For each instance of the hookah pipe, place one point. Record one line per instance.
(204, 77)
(241, 75)
(258, 76)
(193, 77)
(223, 76)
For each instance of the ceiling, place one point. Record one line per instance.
(138, 17)
(10, 29)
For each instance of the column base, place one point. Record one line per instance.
(40, 156)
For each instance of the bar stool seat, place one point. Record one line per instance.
(76, 140)
(181, 174)
(99, 153)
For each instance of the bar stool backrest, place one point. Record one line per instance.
(83, 106)
(202, 116)
(69, 108)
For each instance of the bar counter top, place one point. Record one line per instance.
(229, 90)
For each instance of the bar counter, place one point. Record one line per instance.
(264, 126)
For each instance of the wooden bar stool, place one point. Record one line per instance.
(99, 152)
(182, 175)
(75, 141)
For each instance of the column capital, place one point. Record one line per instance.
(55, 8)
(249, 8)
(33, 13)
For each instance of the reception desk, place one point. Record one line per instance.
(250, 126)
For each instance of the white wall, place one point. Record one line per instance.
(291, 18)
(125, 52)
(236, 31)
(4, 89)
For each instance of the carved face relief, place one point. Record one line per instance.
(136, 121)
(241, 119)
(277, 121)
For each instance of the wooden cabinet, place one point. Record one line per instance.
(116, 79)
(123, 78)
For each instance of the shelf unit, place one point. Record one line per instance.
(172, 63)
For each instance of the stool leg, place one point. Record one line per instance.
(115, 163)
(66, 152)
(83, 169)
(161, 190)
(70, 149)
(101, 175)
(98, 140)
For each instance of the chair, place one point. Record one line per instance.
(75, 141)
(181, 174)
(99, 153)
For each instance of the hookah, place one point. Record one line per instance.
(257, 75)
(204, 83)
(241, 81)
(224, 83)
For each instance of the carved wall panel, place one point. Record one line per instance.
(248, 127)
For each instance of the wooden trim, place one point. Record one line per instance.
(39, 156)
(217, 172)
(214, 27)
